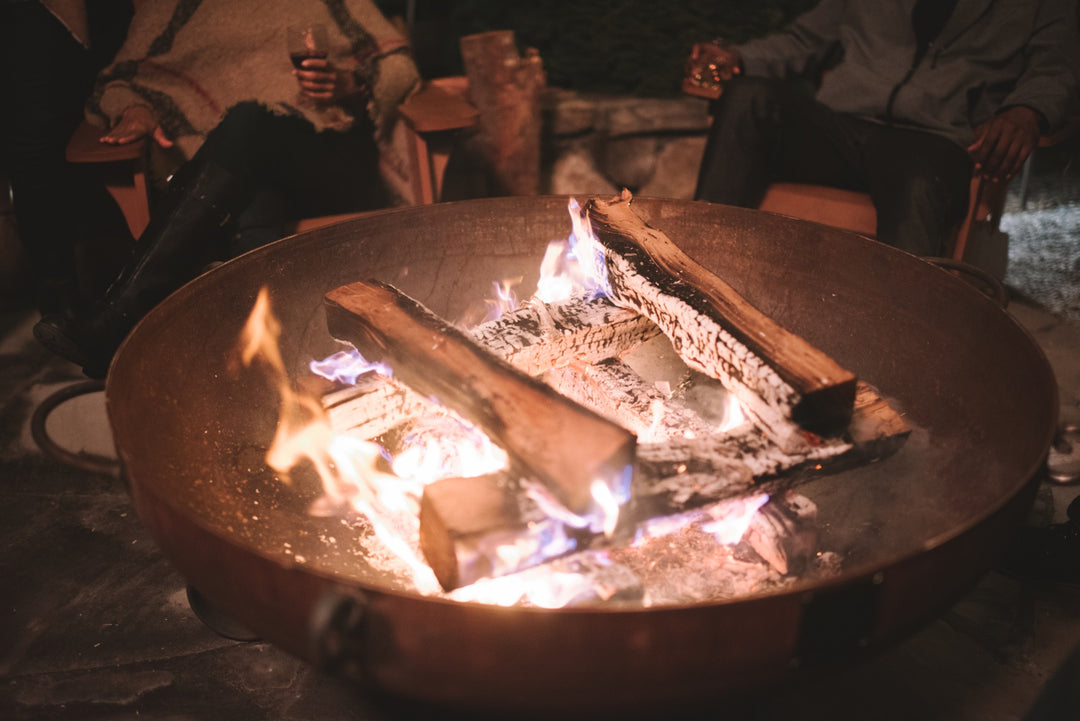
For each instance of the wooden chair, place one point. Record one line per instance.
(853, 210)
(421, 144)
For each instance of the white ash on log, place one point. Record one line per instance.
(615, 390)
(481, 527)
(875, 432)
(560, 444)
(539, 336)
(775, 374)
(784, 533)
(374, 406)
(586, 578)
(533, 338)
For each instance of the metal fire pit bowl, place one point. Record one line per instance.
(915, 530)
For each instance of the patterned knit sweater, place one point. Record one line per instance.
(191, 60)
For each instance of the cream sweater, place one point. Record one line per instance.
(191, 60)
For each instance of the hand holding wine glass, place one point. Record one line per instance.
(308, 51)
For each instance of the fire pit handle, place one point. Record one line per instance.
(337, 630)
(978, 277)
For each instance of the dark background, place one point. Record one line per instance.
(634, 47)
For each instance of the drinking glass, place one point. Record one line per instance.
(306, 41)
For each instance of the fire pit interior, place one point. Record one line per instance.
(894, 539)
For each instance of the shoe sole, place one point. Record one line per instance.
(53, 338)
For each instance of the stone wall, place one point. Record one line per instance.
(598, 144)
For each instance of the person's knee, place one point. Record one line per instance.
(934, 195)
(743, 95)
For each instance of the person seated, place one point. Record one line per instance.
(263, 143)
(49, 56)
(924, 93)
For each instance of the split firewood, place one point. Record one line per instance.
(876, 431)
(539, 336)
(483, 527)
(560, 444)
(613, 389)
(585, 578)
(534, 338)
(775, 374)
(374, 406)
(784, 533)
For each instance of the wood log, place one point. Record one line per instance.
(613, 389)
(784, 533)
(560, 444)
(775, 374)
(534, 338)
(505, 88)
(586, 578)
(482, 527)
(876, 431)
(537, 336)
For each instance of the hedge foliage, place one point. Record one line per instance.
(614, 46)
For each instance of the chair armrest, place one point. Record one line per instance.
(439, 106)
(85, 146)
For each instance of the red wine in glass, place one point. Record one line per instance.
(298, 58)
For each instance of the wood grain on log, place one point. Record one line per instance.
(776, 374)
(560, 444)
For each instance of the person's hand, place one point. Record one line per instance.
(710, 65)
(1003, 144)
(136, 123)
(320, 80)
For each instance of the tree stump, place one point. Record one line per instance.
(505, 88)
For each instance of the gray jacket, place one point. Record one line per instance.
(991, 54)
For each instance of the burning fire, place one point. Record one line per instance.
(445, 446)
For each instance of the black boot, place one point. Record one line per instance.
(170, 252)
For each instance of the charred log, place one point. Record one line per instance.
(562, 445)
(774, 373)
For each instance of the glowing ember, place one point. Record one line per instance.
(538, 565)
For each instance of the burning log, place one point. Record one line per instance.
(473, 528)
(534, 338)
(375, 405)
(539, 336)
(775, 374)
(875, 432)
(562, 445)
(613, 389)
(579, 579)
(784, 533)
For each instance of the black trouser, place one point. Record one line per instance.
(768, 130)
(46, 76)
(292, 170)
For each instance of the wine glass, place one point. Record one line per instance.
(305, 42)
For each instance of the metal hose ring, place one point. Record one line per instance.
(83, 460)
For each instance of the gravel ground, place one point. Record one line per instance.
(1044, 235)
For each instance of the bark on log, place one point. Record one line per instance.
(481, 527)
(876, 431)
(560, 444)
(539, 336)
(774, 373)
(506, 88)
(534, 338)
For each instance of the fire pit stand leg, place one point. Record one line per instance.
(215, 620)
